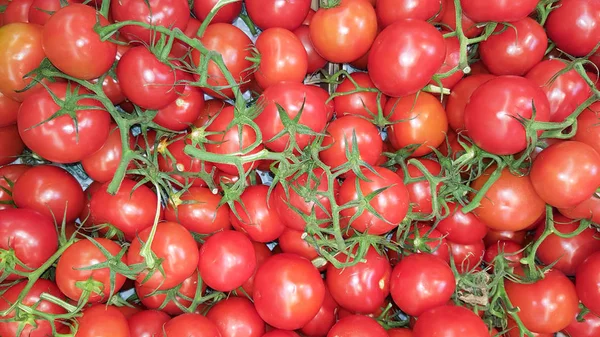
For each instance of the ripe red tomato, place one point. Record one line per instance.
(513, 253)
(578, 161)
(448, 17)
(402, 332)
(288, 291)
(147, 323)
(320, 325)
(545, 306)
(420, 192)
(419, 119)
(460, 227)
(448, 321)
(359, 103)
(262, 253)
(586, 282)
(467, 256)
(450, 62)
(183, 111)
(281, 333)
(590, 327)
(423, 238)
(236, 316)
(102, 321)
(390, 11)
(282, 57)
(190, 325)
(515, 331)
(198, 210)
(41, 10)
(8, 110)
(84, 254)
(421, 271)
(102, 165)
(345, 32)
(491, 111)
(315, 61)
(9, 175)
(492, 237)
(176, 249)
(12, 145)
(257, 218)
(17, 11)
(459, 97)
(499, 11)
(583, 19)
(391, 203)
(357, 326)
(182, 162)
(153, 299)
(324, 94)
(292, 241)
(287, 14)
(226, 14)
(404, 57)
(588, 127)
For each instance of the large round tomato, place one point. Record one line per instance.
(460, 227)
(588, 127)
(418, 119)
(12, 145)
(575, 160)
(358, 103)
(499, 11)
(102, 321)
(431, 275)
(583, 19)
(405, 56)
(198, 210)
(490, 114)
(450, 321)
(175, 298)
(459, 97)
(315, 61)
(226, 14)
(345, 32)
(590, 327)
(324, 320)
(390, 11)
(255, 216)
(282, 58)
(545, 306)
(147, 323)
(587, 279)
(288, 291)
(9, 175)
(17, 11)
(190, 325)
(287, 14)
(8, 110)
(420, 192)
(237, 317)
(357, 326)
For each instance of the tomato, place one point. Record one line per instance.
(420, 192)
(8, 110)
(404, 57)
(324, 94)
(112, 89)
(565, 92)
(578, 161)
(450, 321)
(41, 10)
(499, 11)
(288, 291)
(153, 299)
(9, 135)
(190, 325)
(345, 133)
(255, 216)
(281, 333)
(17, 11)
(24, 40)
(345, 32)
(450, 62)
(492, 237)
(401, 332)
(590, 327)
(176, 249)
(102, 321)
(84, 254)
(459, 97)
(235, 46)
(467, 256)
(198, 210)
(421, 271)
(212, 107)
(515, 331)
(129, 210)
(147, 323)
(357, 326)
(182, 50)
(419, 119)
(588, 127)
(314, 60)
(324, 320)
(513, 253)
(545, 306)
(448, 17)
(60, 139)
(358, 103)
(282, 57)
(183, 163)
(583, 19)
(460, 227)
(9, 175)
(491, 111)
(423, 238)
(287, 14)
(390, 11)
(183, 111)
(154, 92)
(262, 253)
(226, 14)
(391, 203)
(586, 282)
(236, 317)
(102, 165)
(503, 206)
(589, 209)
(293, 242)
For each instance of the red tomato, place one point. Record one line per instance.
(459, 97)
(545, 306)
(102, 165)
(129, 210)
(492, 237)
(357, 326)
(421, 271)
(467, 256)
(423, 238)
(460, 227)
(262, 253)
(565, 92)
(449, 321)
(419, 119)
(177, 251)
(212, 107)
(9, 175)
(17, 11)
(513, 253)
(175, 298)
(390, 11)
(359, 103)
(583, 19)
(287, 14)
(450, 62)
(8, 110)
(324, 320)
(405, 56)
(391, 203)
(515, 50)
(420, 192)
(280, 333)
(401, 332)
(226, 14)
(590, 327)
(491, 111)
(12, 145)
(112, 89)
(293, 242)
(255, 216)
(59, 138)
(515, 331)
(315, 61)
(499, 11)
(282, 57)
(182, 50)
(344, 33)
(24, 40)
(84, 254)
(294, 98)
(324, 94)
(448, 17)
(586, 282)
(183, 163)
(94, 321)
(288, 291)
(50, 190)
(198, 210)
(41, 10)
(183, 111)
(589, 209)
(236, 317)
(502, 207)
(363, 287)
(588, 127)
(190, 325)
(578, 161)
(147, 323)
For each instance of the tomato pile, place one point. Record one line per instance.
(342, 168)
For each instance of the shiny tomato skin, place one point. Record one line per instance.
(578, 161)
(589, 209)
(24, 40)
(494, 236)
(590, 327)
(176, 248)
(498, 10)
(420, 192)
(226, 14)
(102, 165)
(459, 97)
(460, 227)
(12, 145)
(183, 111)
(450, 62)
(324, 320)
(586, 283)
(282, 58)
(147, 323)
(41, 10)
(8, 110)
(288, 291)
(588, 127)
(60, 139)
(292, 241)
(467, 256)
(565, 92)
(9, 175)
(583, 18)
(94, 321)
(190, 325)
(448, 17)
(315, 61)
(546, 306)
(419, 119)
(401, 332)
(364, 287)
(502, 207)
(50, 190)
(280, 333)
(236, 317)
(359, 103)
(357, 326)
(17, 11)
(344, 33)
(262, 253)
(83, 254)
(450, 321)
(257, 218)
(425, 52)
(152, 299)
(390, 11)
(492, 125)
(112, 89)
(421, 271)
(287, 14)
(513, 253)
(201, 213)
(324, 94)
(72, 45)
